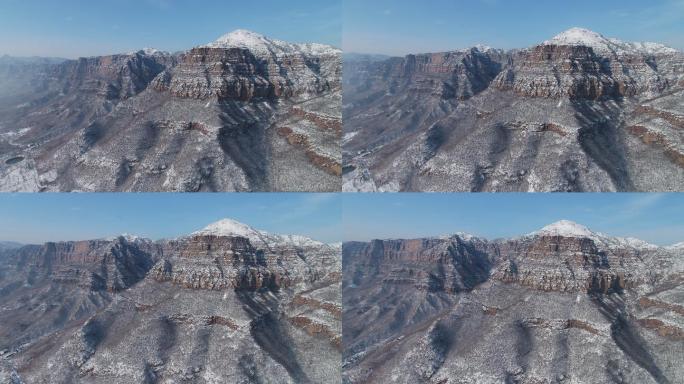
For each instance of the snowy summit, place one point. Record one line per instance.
(261, 44)
(567, 228)
(230, 227)
(603, 45)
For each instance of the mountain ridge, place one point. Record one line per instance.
(571, 36)
(226, 227)
(562, 228)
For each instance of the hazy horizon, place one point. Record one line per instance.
(39, 218)
(399, 28)
(78, 28)
(652, 217)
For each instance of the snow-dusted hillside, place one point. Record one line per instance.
(230, 227)
(604, 45)
(262, 45)
(567, 228)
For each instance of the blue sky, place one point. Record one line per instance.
(656, 218)
(73, 28)
(36, 218)
(397, 27)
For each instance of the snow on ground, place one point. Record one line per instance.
(20, 177)
(348, 136)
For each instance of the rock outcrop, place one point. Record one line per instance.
(110, 265)
(111, 77)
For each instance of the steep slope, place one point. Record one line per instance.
(228, 116)
(206, 308)
(563, 304)
(579, 112)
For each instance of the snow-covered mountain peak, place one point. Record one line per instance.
(230, 227)
(483, 47)
(227, 227)
(262, 45)
(565, 228)
(578, 36)
(603, 45)
(244, 34)
(242, 38)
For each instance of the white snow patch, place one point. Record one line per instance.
(127, 236)
(150, 52)
(483, 47)
(349, 135)
(21, 177)
(18, 132)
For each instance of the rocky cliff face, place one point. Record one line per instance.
(579, 112)
(111, 77)
(238, 73)
(111, 265)
(577, 72)
(173, 310)
(208, 119)
(447, 75)
(557, 305)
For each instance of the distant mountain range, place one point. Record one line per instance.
(9, 245)
(563, 303)
(225, 304)
(578, 112)
(243, 113)
(351, 56)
